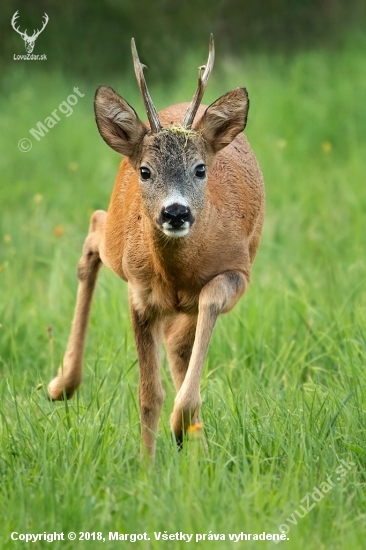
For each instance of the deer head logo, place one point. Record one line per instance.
(28, 40)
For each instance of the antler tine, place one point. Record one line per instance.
(46, 19)
(14, 20)
(151, 112)
(202, 83)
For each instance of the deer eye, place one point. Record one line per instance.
(145, 173)
(200, 171)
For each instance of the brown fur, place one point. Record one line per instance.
(177, 286)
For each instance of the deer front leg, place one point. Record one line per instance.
(179, 333)
(218, 296)
(147, 332)
(70, 373)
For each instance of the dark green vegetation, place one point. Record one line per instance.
(284, 386)
(91, 39)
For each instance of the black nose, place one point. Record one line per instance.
(176, 215)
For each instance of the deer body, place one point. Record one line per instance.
(184, 239)
(172, 272)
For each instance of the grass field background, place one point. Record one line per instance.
(284, 384)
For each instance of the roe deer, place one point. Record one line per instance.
(182, 228)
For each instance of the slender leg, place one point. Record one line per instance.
(218, 296)
(70, 373)
(179, 335)
(147, 332)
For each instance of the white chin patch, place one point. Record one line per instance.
(176, 232)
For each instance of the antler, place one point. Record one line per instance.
(37, 33)
(152, 114)
(13, 21)
(202, 83)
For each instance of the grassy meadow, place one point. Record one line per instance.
(284, 387)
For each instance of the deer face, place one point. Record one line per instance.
(172, 175)
(171, 163)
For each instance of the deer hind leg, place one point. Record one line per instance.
(69, 374)
(147, 333)
(218, 296)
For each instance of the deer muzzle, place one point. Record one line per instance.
(175, 220)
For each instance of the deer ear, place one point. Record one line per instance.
(118, 123)
(224, 119)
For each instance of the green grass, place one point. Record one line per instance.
(284, 384)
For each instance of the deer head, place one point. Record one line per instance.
(172, 163)
(28, 40)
